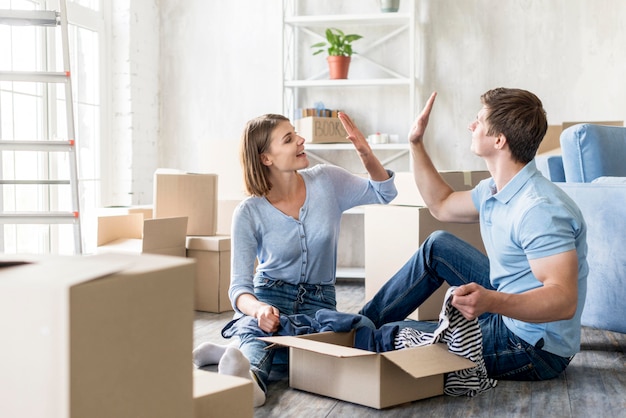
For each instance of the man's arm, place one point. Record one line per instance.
(556, 300)
(444, 203)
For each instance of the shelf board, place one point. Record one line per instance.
(361, 19)
(350, 273)
(348, 82)
(350, 146)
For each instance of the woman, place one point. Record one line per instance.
(290, 226)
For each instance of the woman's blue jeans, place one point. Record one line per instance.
(290, 300)
(445, 258)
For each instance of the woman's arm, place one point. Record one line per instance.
(371, 163)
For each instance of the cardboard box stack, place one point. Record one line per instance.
(178, 193)
(213, 275)
(394, 232)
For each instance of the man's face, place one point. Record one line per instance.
(482, 143)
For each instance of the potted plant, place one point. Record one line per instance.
(339, 48)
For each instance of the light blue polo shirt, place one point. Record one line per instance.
(530, 218)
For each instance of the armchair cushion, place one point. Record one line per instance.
(602, 205)
(591, 151)
(551, 166)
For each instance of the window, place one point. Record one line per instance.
(37, 111)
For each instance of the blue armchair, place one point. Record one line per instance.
(592, 170)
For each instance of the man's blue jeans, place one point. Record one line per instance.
(446, 258)
(290, 300)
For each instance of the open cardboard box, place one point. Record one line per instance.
(327, 364)
(132, 233)
(100, 336)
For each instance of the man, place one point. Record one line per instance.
(528, 292)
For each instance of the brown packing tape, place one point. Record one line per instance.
(467, 178)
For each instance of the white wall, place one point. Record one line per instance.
(220, 65)
(569, 52)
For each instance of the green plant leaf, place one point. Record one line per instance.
(337, 43)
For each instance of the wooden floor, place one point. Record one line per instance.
(594, 384)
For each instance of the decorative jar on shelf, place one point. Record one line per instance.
(389, 6)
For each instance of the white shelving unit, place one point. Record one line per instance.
(295, 26)
(399, 151)
(375, 73)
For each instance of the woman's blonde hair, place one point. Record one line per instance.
(255, 140)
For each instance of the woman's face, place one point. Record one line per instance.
(286, 150)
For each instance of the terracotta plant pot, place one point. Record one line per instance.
(338, 66)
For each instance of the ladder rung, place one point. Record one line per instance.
(46, 146)
(35, 182)
(38, 217)
(29, 17)
(35, 76)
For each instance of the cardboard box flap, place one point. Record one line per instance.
(164, 233)
(428, 360)
(111, 228)
(124, 245)
(316, 346)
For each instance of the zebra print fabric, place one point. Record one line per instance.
(463, 338)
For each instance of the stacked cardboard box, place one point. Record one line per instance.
(179, 193)
(394, 232)
(213, 274)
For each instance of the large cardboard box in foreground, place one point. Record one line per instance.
(221, 396)
(133, 233)
(393, 234)
(178, 193)
(213, 272)
(408, 195)
(327, 364)
(318, 130)
(105, 336)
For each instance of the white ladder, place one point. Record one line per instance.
(55, 20)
